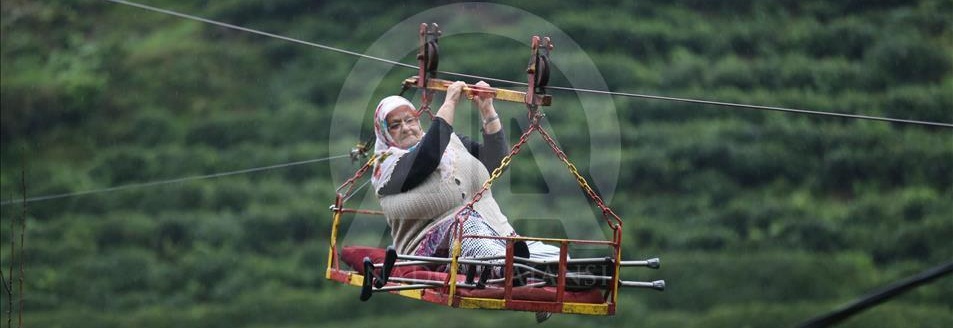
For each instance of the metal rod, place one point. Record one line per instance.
(656, 285)
(459, 284)
(472, 90)
(879, 296)
(353, 210)
(554, 261)
(403, 287)
(421, 260)
(444, 260)
(419, 281)
(653, 263)
(552, 240)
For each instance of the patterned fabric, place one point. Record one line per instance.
(436, 242)
(478, 247)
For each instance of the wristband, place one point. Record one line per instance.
(490, 119)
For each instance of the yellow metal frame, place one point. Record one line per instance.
(599, 309)
(334, 237)
(470, 90)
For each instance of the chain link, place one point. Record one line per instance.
(606, 211)
(505, 162)
(425, 99)
(357, 175)
(535, 117)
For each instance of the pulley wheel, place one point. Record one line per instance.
(432, 56)
(542, 71)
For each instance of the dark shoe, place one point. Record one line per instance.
(543, 316)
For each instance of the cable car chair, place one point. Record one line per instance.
(560, 285)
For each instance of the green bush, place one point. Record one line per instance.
(153, 128)
(124, 166)
(848, 38)
(224, 132)
(903, 58)
(923, 103)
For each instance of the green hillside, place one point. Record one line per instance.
(761, 218)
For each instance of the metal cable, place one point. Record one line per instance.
(603, 92)
(771, 108)
(249, 30)
(879, 296)
(357, 189)
(169, 181)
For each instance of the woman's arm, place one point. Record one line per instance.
(449, 106)
(491, 152)
(494, 146)
(491, 121)
(416, 165)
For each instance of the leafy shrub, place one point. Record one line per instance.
(126, 229)
(224, 132)
(922, 103)
(153, 127)
(847, 37)
(124, 166)
(907, 59)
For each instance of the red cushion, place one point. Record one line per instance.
(354, 256)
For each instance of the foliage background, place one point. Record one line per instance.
(762, 219)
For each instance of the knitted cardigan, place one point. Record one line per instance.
(415, 211)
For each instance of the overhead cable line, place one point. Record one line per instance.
(169, 181)
(270, 35)
(357, 189)
(770, 108)
(879, 296)
(583, 90)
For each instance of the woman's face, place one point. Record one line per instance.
(403, 126)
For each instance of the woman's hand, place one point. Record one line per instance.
(453, 92)
(483, 101)
(449, 106)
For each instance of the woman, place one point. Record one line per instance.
(424, 179)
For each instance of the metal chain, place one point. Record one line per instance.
(357, 175)
(425, 99)
(535, 117)
(505, 162)
(606, 211)
(461, 215)
(366, 182)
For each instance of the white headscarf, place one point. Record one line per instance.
(387, 150)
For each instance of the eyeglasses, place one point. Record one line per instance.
(396, 125)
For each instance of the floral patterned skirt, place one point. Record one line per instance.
(437, 240)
